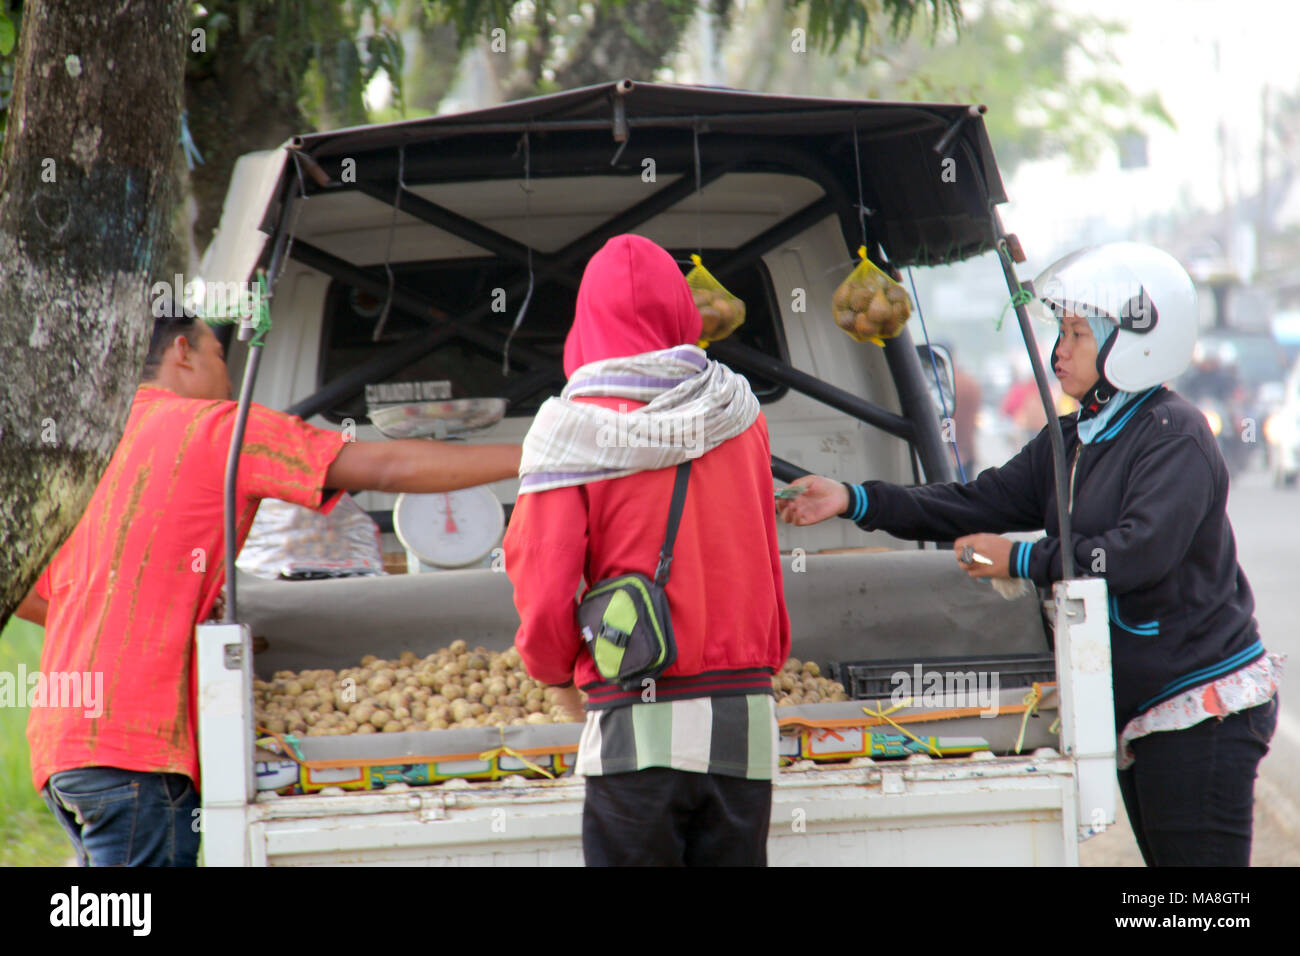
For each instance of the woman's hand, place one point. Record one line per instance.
(823, 499)
(994, 547)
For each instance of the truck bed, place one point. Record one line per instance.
(977, 810)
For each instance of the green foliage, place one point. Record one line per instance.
(829, 21)
(321, 53)
(29, 834)
(10, 20)
(1048, 76)
(472, 18)
(1050, 79)
(8, 34)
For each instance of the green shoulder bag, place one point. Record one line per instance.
(624, 620)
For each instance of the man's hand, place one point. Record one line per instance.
(823, 499)
(994, 547)
(420, 465)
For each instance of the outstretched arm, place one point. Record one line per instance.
(421, 466)
(1009, 498)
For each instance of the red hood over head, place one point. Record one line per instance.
(633, 299)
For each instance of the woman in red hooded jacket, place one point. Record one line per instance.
(678, 773)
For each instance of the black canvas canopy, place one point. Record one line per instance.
(928, 174)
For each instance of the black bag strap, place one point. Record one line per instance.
(674, 519)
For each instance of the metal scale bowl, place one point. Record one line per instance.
(450, 529)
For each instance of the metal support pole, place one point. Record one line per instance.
(232, 475)
(787, 471)
(282, 241)
(747, 359)
(918, 406)
(430, 212)
(1045, 393)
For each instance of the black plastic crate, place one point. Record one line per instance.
(873, 680)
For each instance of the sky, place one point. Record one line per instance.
(1170, 49)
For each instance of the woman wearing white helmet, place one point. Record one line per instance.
(1195, 690)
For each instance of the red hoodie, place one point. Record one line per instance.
(725, 593)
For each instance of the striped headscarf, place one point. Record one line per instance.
(694, 405)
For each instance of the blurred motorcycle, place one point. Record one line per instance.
(1230, 428)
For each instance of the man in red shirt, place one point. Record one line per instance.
(145, 563)
(679, 772)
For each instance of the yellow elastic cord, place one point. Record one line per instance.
(698, 262)
(884, 715)
(288, 741)
(1031, 705)
(1056, 726)
(503, 749)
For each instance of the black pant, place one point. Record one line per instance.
(663, 817)
(1190, 793)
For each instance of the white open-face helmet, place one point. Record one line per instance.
(1144, 292)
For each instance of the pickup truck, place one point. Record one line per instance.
(427, 228)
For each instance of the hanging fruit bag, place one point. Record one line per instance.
(721, 313)
(869, 305)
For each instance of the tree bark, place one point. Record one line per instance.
(85, 209)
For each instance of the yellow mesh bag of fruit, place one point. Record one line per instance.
(721, 313)
(869, 305)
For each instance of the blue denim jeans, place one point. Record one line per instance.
(126, 817)
(1190, 794)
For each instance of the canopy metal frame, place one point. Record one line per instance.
(726, 155)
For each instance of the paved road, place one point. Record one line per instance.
(1267, 524)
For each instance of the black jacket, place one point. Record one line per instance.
(1149, 516)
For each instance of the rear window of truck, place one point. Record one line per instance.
(456, 286)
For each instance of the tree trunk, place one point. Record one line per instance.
(85, 210)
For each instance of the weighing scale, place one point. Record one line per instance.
(450, 529)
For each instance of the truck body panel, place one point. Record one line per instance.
(952, 812)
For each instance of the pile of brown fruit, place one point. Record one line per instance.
(451, 688)
(868, 305)
(801, 683)
(721, 313)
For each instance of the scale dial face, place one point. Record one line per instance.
(449, 529)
